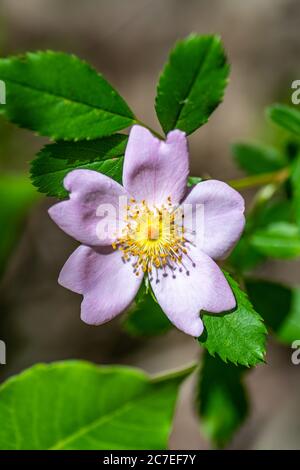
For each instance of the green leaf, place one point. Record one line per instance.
(192, 83)
(222, 400)
(16, 198)
(77, 405)
(278, 240)
(257, 158)
(146, 318)
(286, 117)
(55, 161)
(295, 181)
(237, 336)
(279, 305)
(192, 180)
(60, 96)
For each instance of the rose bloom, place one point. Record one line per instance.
(155, 237)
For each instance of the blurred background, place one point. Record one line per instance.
(128, 41)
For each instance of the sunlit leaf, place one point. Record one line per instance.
(62, 97)
(77, 405)
(192, 83)
(237, 336)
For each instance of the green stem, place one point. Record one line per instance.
(260, 180)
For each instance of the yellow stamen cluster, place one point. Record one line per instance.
(152, 237)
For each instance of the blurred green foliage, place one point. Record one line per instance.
(222, 401)
(16, 197)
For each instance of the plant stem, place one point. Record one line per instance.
(260, 180)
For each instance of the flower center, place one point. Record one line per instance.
(153, 236)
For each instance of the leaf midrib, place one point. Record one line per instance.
(103, 419)
(196, 74)
(236, 331)
(61, 97)
(81, 146)
(76, 166)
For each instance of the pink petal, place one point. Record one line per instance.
(200, 286)
(223, 216)
(78, 217)
(154, 169)
(107, 283)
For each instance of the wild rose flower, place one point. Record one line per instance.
(149, 240)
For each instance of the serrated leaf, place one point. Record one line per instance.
(278, 240)
(286, 117)
(60, 96)
(192, 83)
(257, 158)
(55, 161)
(77, 405)
(237, 336)
(146, 317)
(279, 306)
(221, 399)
